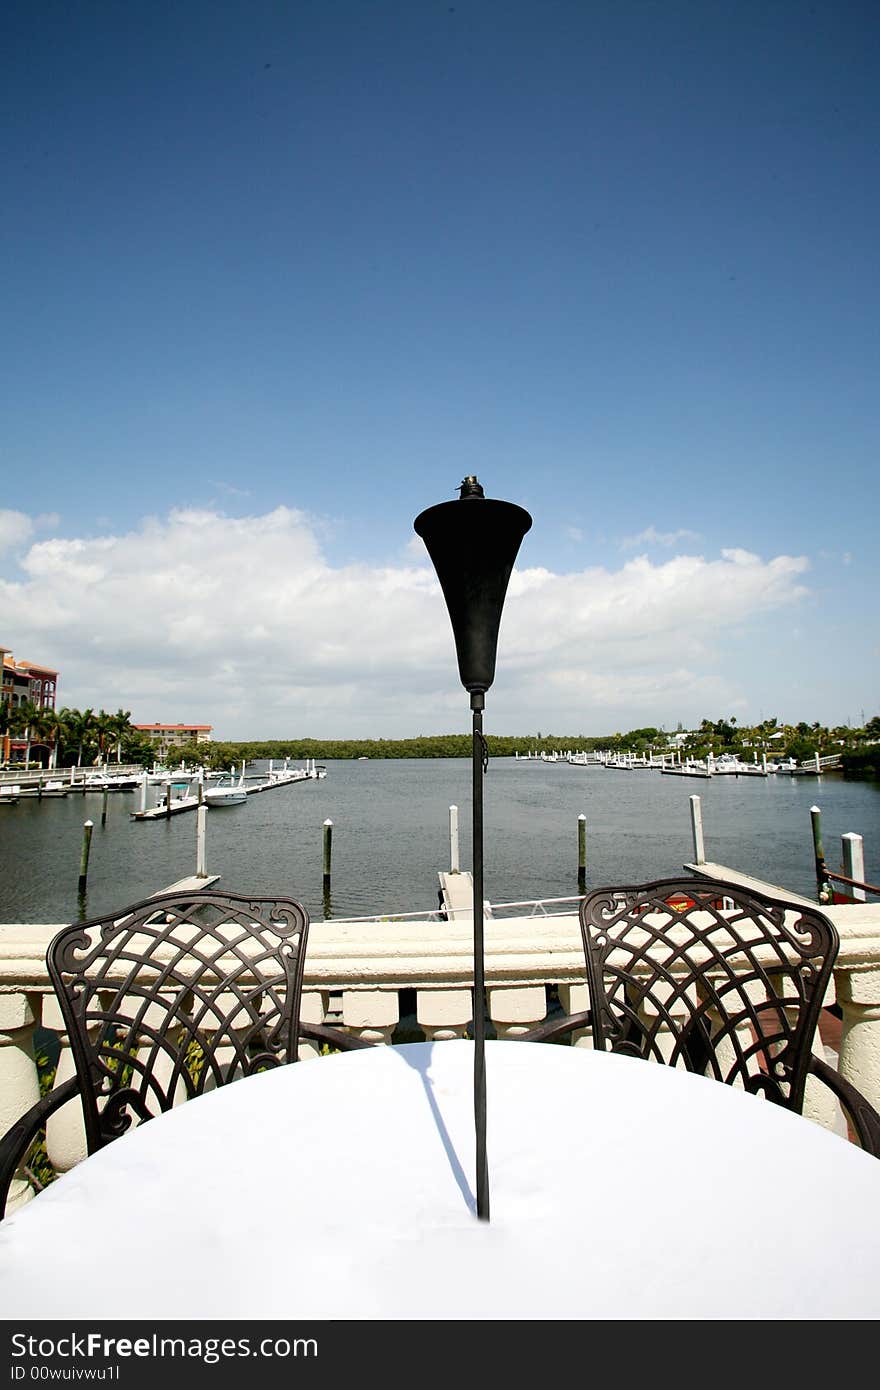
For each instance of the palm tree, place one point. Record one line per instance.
(103, 725)
(120, 725)
(25, 716)
(43, 728)
(53, 728)
(79, 724)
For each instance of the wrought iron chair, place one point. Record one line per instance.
(171, 997)
(715, 978)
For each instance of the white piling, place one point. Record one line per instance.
(201, 858)
(145, 781)
(697, 828)
(453, 840)
(854, 864)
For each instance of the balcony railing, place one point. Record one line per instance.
(366, 977)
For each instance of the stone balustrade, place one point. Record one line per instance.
(357, 973)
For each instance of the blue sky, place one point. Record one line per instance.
(277, 276)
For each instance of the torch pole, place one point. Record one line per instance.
(477, 705)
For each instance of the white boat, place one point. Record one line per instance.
(109, 782)
(232, 794)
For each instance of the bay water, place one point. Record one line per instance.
(391, 836)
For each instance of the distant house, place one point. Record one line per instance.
(23, 681)
(168, 736)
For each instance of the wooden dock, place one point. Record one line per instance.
(725, 874)
(178, 805)
(194, 884)
(457, 892)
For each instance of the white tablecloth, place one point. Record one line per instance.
(343, 1188)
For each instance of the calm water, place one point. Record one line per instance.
(391, 836)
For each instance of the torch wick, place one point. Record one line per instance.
(470, 488)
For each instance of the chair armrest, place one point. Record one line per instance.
(556, 1027)
(860, 1112)
(334, 1037)
(17, 1139)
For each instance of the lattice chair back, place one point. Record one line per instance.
(179, 995)
(711, 977)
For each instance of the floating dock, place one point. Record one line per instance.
(177, 805)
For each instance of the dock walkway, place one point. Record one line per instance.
(177, 805)
(457, 893)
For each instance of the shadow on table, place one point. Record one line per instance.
(419, 1059)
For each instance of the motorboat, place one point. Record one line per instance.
(108, 782)
(232, 794)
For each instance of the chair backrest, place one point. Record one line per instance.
(709, 976)
(177, 995)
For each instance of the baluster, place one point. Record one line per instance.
(372, 1014)
(574, 1000)
(19, 1084)
(515, 1009)
(858, 994)
(444, 1013)
(313, 1009)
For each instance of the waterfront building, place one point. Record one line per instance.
(24, 681)
(169, 736)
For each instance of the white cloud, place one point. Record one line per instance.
(651, 536)
(229, 489)
(15, 529)
(244, 624)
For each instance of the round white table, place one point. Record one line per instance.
(342, 1188)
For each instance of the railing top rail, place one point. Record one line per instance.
(853, 882)
(435, 915)
(538, 907)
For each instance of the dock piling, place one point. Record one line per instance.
(854, 864)
(454, 865)
(104, 807)
(582, 852)
(697, 829)
(167, 799)
(328, 850)
(84, 856)
(818, 852)
(201, 858)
